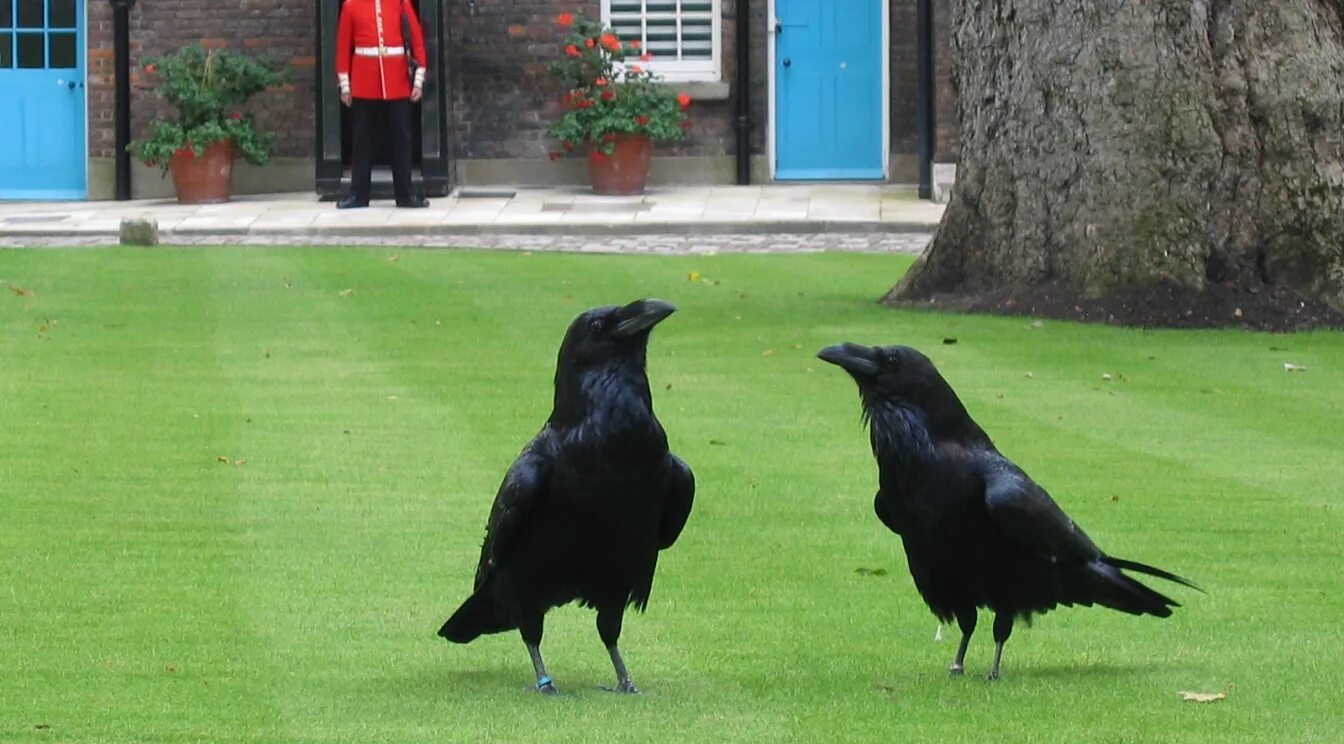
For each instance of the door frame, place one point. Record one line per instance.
(772, 153)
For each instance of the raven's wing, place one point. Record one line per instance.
(680, 494)
(1024, 512)
(523, 486)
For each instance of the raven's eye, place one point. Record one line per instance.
(595, 325)
(893, 358)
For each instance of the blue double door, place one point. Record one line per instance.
(828, 89)
(42, 99)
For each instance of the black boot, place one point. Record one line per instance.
(351, 202)
(415, 202)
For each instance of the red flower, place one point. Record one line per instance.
(598, 155)
(554, 155)
(235, 116)
(590, 43)
(571, 50)
(567, 145)
(565, 20)
(608, 95)
(684, 101)
(567, 99)
(636, 69)
(646, 56)
(149, 69)
(611, 43)
(600, 82)
(585, 103)
(608, 137)
(635, 44)
(642, 120)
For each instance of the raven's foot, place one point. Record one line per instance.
(956, 670)
(625, 686)
(546, 686)
(993, 676)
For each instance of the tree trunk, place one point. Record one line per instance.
(1109, 145)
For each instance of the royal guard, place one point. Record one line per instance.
(381, 73)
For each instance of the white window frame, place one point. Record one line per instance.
(688, 70)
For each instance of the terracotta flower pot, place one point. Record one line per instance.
(205, 179)
(625, 170)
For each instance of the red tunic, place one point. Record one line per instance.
(378, 77)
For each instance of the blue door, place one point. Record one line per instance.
(42, 99)
(828, 89)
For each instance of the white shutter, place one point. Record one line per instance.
(683, 35)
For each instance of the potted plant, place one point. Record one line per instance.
(613, 110)
(206, 87)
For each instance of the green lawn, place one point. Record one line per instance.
(241, 488)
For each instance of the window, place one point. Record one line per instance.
(683, 35)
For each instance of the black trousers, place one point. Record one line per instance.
(366, 117)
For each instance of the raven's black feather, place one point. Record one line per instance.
(584, 510)
(977, 530)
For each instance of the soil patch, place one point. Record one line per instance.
(1264, 308)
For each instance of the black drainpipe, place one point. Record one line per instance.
(121, 54)
(742, 125)
(924, 109)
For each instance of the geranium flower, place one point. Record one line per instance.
(149, 69)
(565, 20)
(635, 44)
(599, 155)
(642, 120)
(636, 69)
(646, 56)
(608, 95)
(235, 116)
(611, 43)
(590, 43)
(600, 82)
(553, 155)
(684, 101)
(571, 50)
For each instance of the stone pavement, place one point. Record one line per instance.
(773, 218)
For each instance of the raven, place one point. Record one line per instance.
(584, 510)
(978, 531)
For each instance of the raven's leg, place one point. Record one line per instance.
(966, 620)
(609, 629)
(1003, 627)
(530, 626)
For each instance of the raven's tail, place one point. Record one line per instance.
(477, 616)
(1110, 587)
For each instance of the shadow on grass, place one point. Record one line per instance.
(1081, 671)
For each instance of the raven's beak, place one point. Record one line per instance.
(642, 315)
(855, 359)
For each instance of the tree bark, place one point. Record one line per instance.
(1114, 144)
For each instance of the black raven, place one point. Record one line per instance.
(589, 502)
(978, 532)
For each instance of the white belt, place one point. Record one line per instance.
(380, 51)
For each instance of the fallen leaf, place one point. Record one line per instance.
(240, 462)
(392, 397)
(20, 291)
(883, 687)
(768, 352)
(1038, 324)
(1202, 697)
(222, 459)
(347, 292)
(717, 442)
(393, 258)
(669, 386)
(949, 340)
(1029, 375)
(871, 571)
(42, 726)
(169, 668)
(1106, 376)
(1113, 497)
(693, 276)
(286, 281)
(1290, 367)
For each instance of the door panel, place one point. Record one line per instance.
(42, 86)
(828, 94)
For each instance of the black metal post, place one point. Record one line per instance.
(742, 124)
(924, 94)
(121, 62)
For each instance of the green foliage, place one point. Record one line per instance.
(208, 88)
(605, 95)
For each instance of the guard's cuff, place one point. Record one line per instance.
(420, 77)
(343, 81)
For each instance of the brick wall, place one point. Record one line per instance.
(503, 99)
(497, 50)
(282, 30)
